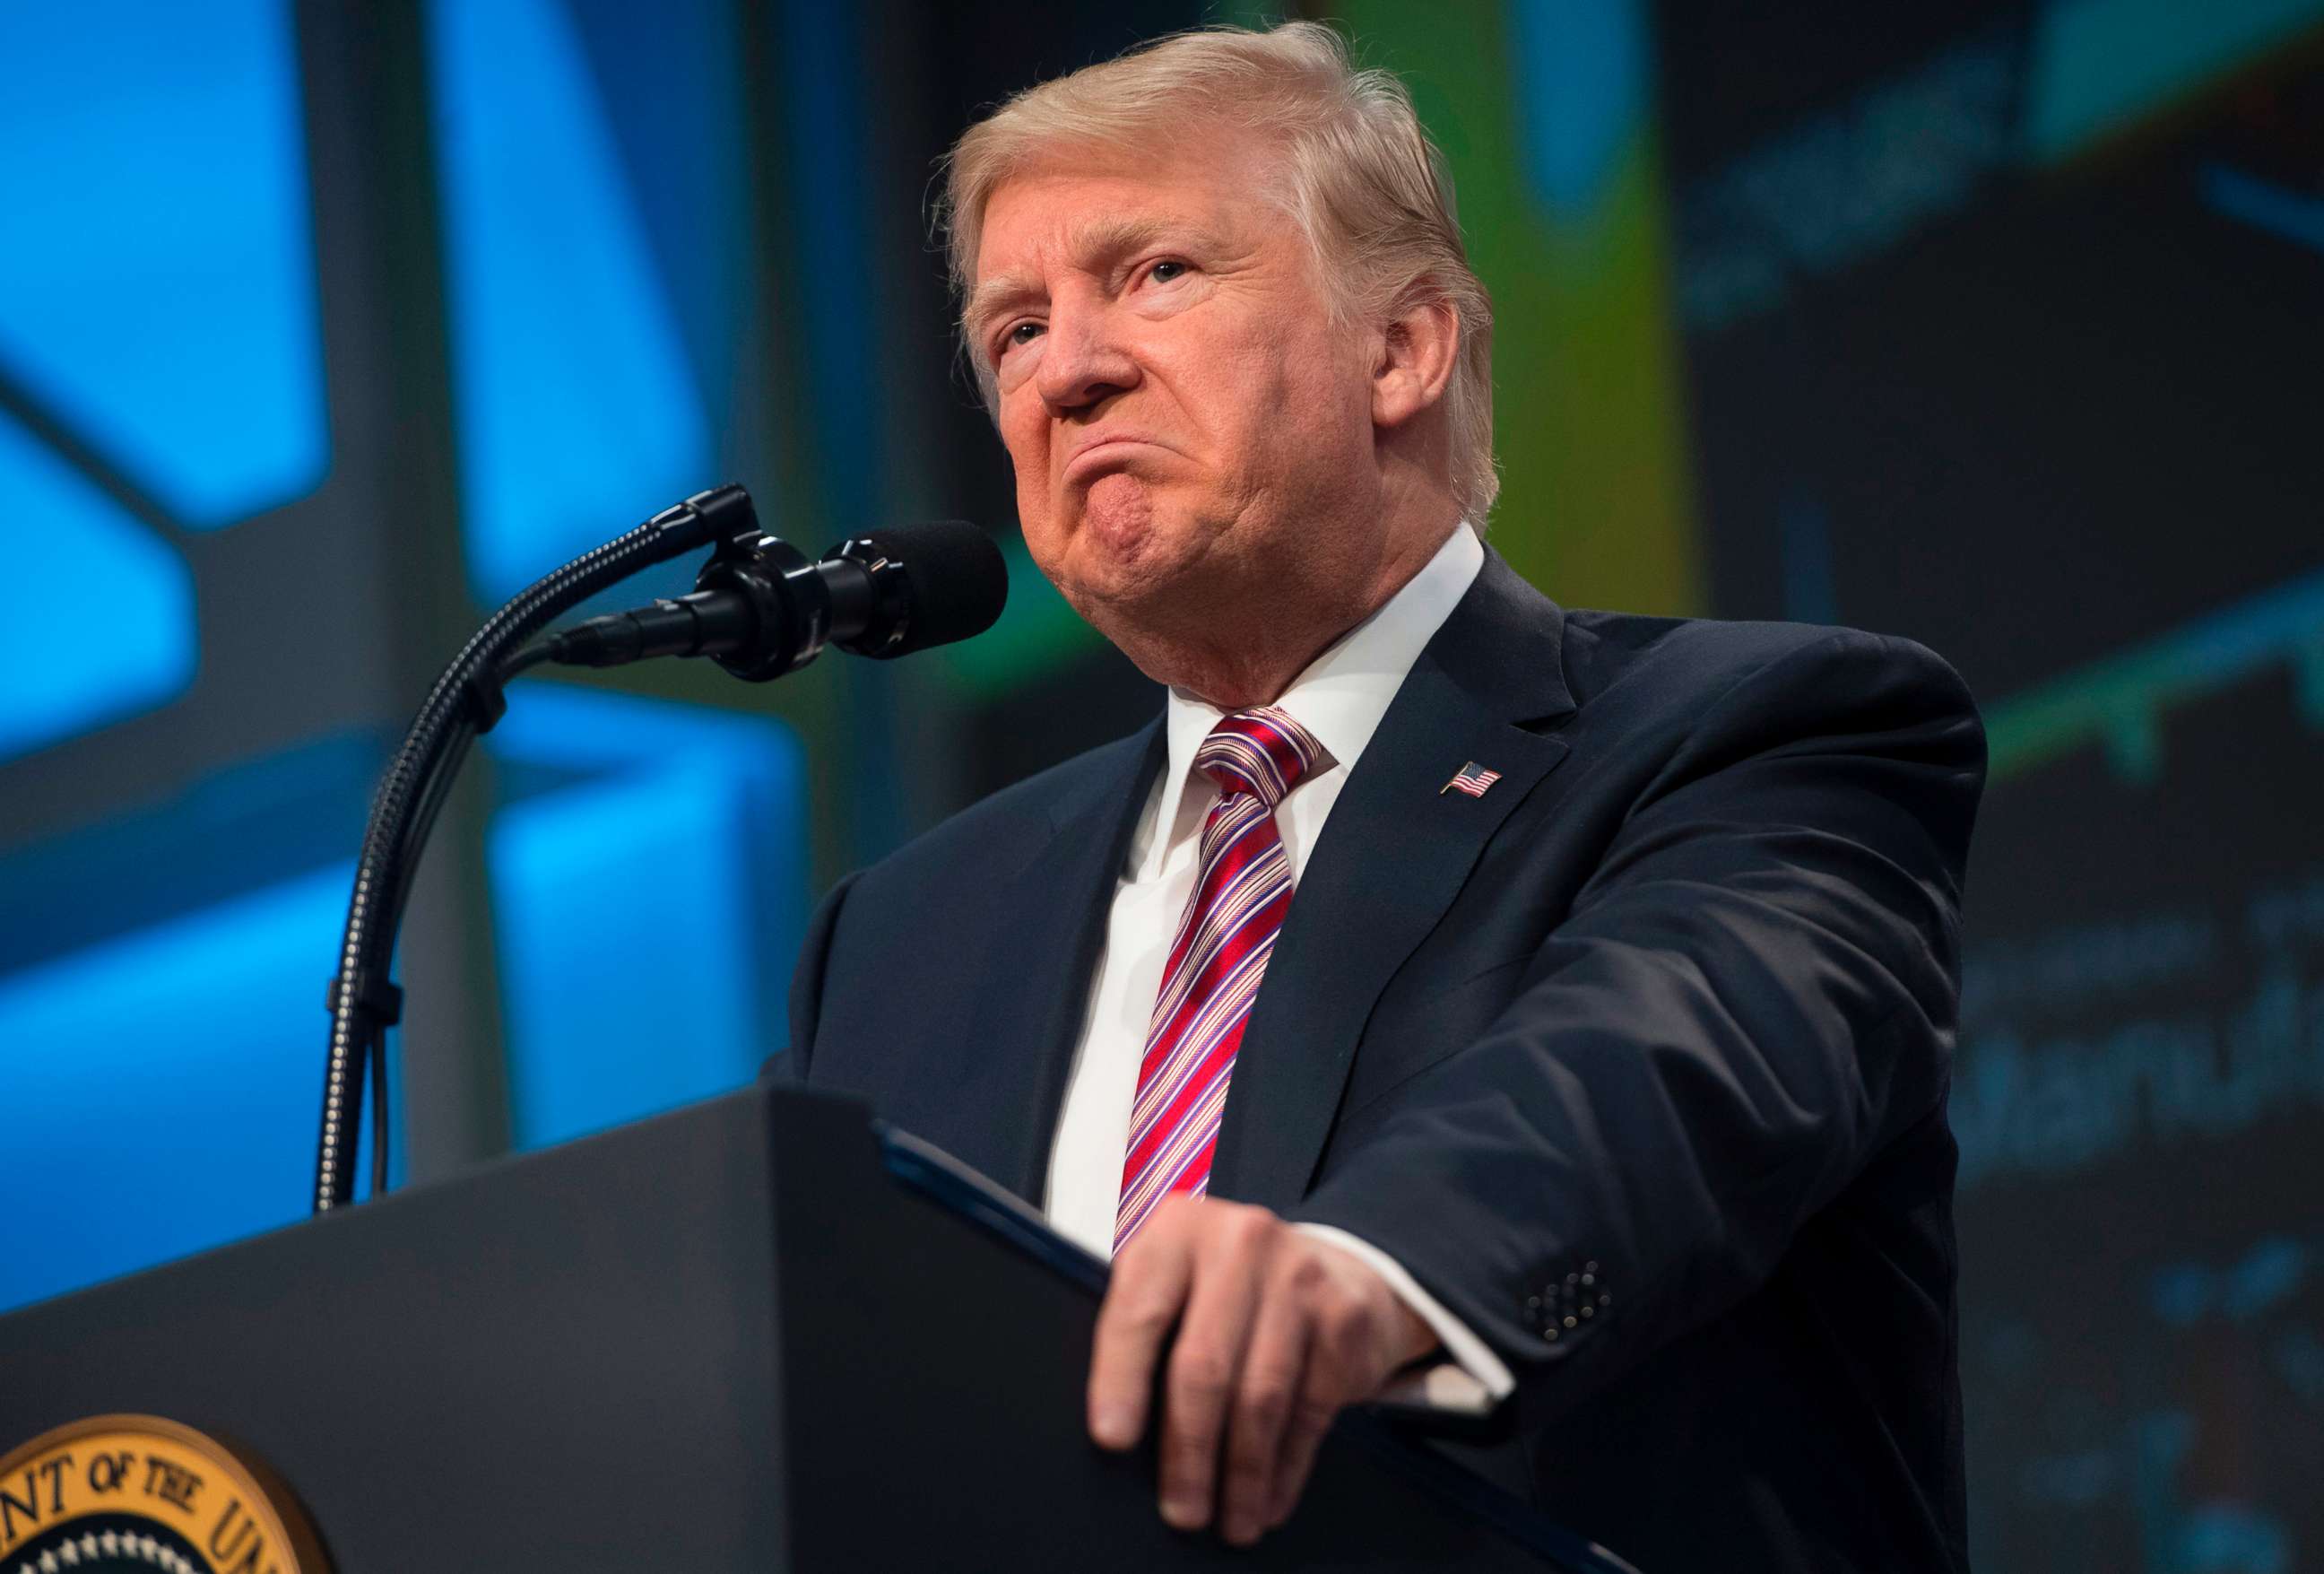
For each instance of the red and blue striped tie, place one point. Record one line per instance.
(1216, 961)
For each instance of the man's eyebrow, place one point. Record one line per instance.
(1099, 242)
(995, 296)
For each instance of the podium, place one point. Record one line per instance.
(758, 1333)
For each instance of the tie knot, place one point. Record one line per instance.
(1260, 752)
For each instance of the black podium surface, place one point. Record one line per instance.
(750, 1333)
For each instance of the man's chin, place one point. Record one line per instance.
(1118, 518)
(1120, 546)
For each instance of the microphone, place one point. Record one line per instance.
(760, 608)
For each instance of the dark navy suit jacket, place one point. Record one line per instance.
(1638, 1062)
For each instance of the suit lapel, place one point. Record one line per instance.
(1027, 1023)
(1395, 853)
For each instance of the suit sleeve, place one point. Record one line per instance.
(1753, 994)
(807, 988)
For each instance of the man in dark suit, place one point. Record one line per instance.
(1555, 1003)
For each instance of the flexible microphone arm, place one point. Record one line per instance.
(465, 700)
(759, 609)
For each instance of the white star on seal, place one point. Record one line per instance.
(69, 1552)
(47, 1563)
(111, 1541)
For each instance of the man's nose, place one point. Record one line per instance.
(1086, 359)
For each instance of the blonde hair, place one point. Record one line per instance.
(1363, 181)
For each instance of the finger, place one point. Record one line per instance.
(1303, 1429)
(1343, 1364)
(1273, 1369)
(1149, 1287)
(1208, 1357)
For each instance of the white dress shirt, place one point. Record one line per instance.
(1340, 699)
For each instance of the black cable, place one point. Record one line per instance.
(379, 1124)
(407, 858)
(525, 660)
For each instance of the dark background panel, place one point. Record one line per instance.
(2046, 402)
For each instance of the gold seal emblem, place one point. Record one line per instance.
(134, 1494)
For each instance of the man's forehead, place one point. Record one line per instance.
(1071, 239)
(1073, 204)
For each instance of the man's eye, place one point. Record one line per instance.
(1024, 333)
(1165, 270)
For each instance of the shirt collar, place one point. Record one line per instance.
(1340, 697)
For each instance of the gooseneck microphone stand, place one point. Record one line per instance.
(466, 701)
(759, 609)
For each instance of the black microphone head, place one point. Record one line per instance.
(954, 584)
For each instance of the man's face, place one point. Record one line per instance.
(1184, 419)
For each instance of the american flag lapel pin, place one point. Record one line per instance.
(1472, 778)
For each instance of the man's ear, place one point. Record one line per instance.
(1415, 365)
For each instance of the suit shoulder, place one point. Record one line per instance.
(1693, 662)
(1006, 825)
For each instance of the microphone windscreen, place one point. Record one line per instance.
(956, 580)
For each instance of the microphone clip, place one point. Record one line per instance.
(773, 585)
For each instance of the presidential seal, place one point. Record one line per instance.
(133, 1493)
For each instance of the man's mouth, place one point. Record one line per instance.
(1104, 454)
